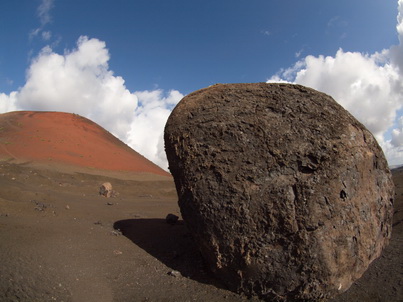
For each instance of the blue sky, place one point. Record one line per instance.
(187, 45)
(152, 52)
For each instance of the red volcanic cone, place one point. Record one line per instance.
(67, 138)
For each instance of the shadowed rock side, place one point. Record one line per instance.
(287, 195)
(57, 137)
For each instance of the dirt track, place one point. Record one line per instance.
(61, 241)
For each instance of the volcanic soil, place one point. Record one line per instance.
(61, 241)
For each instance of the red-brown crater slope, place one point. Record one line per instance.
(56, 137)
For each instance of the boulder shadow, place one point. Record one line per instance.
(170, 244)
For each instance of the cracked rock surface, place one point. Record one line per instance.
(286, 194)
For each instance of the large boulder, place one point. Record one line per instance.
(287, 195)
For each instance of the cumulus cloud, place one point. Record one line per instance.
(80, 81)
(367, 89)
(397, 134)
(146, 133)
(370, 86)
(8, 102)
(396, 52)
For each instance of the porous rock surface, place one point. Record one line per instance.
(287, 195)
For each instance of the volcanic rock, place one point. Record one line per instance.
(287, 195)
(106, 189)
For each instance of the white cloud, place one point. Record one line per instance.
(7, 102)
(266, 33)
(299, 53)
(396, 52)
(146, 134)
(46, 35)
(336, 21)
(43, 12)
(79, 81)
(397, 134)
(370, 86)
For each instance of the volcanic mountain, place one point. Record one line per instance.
(65, 138)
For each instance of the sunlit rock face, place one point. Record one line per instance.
(287, 195)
